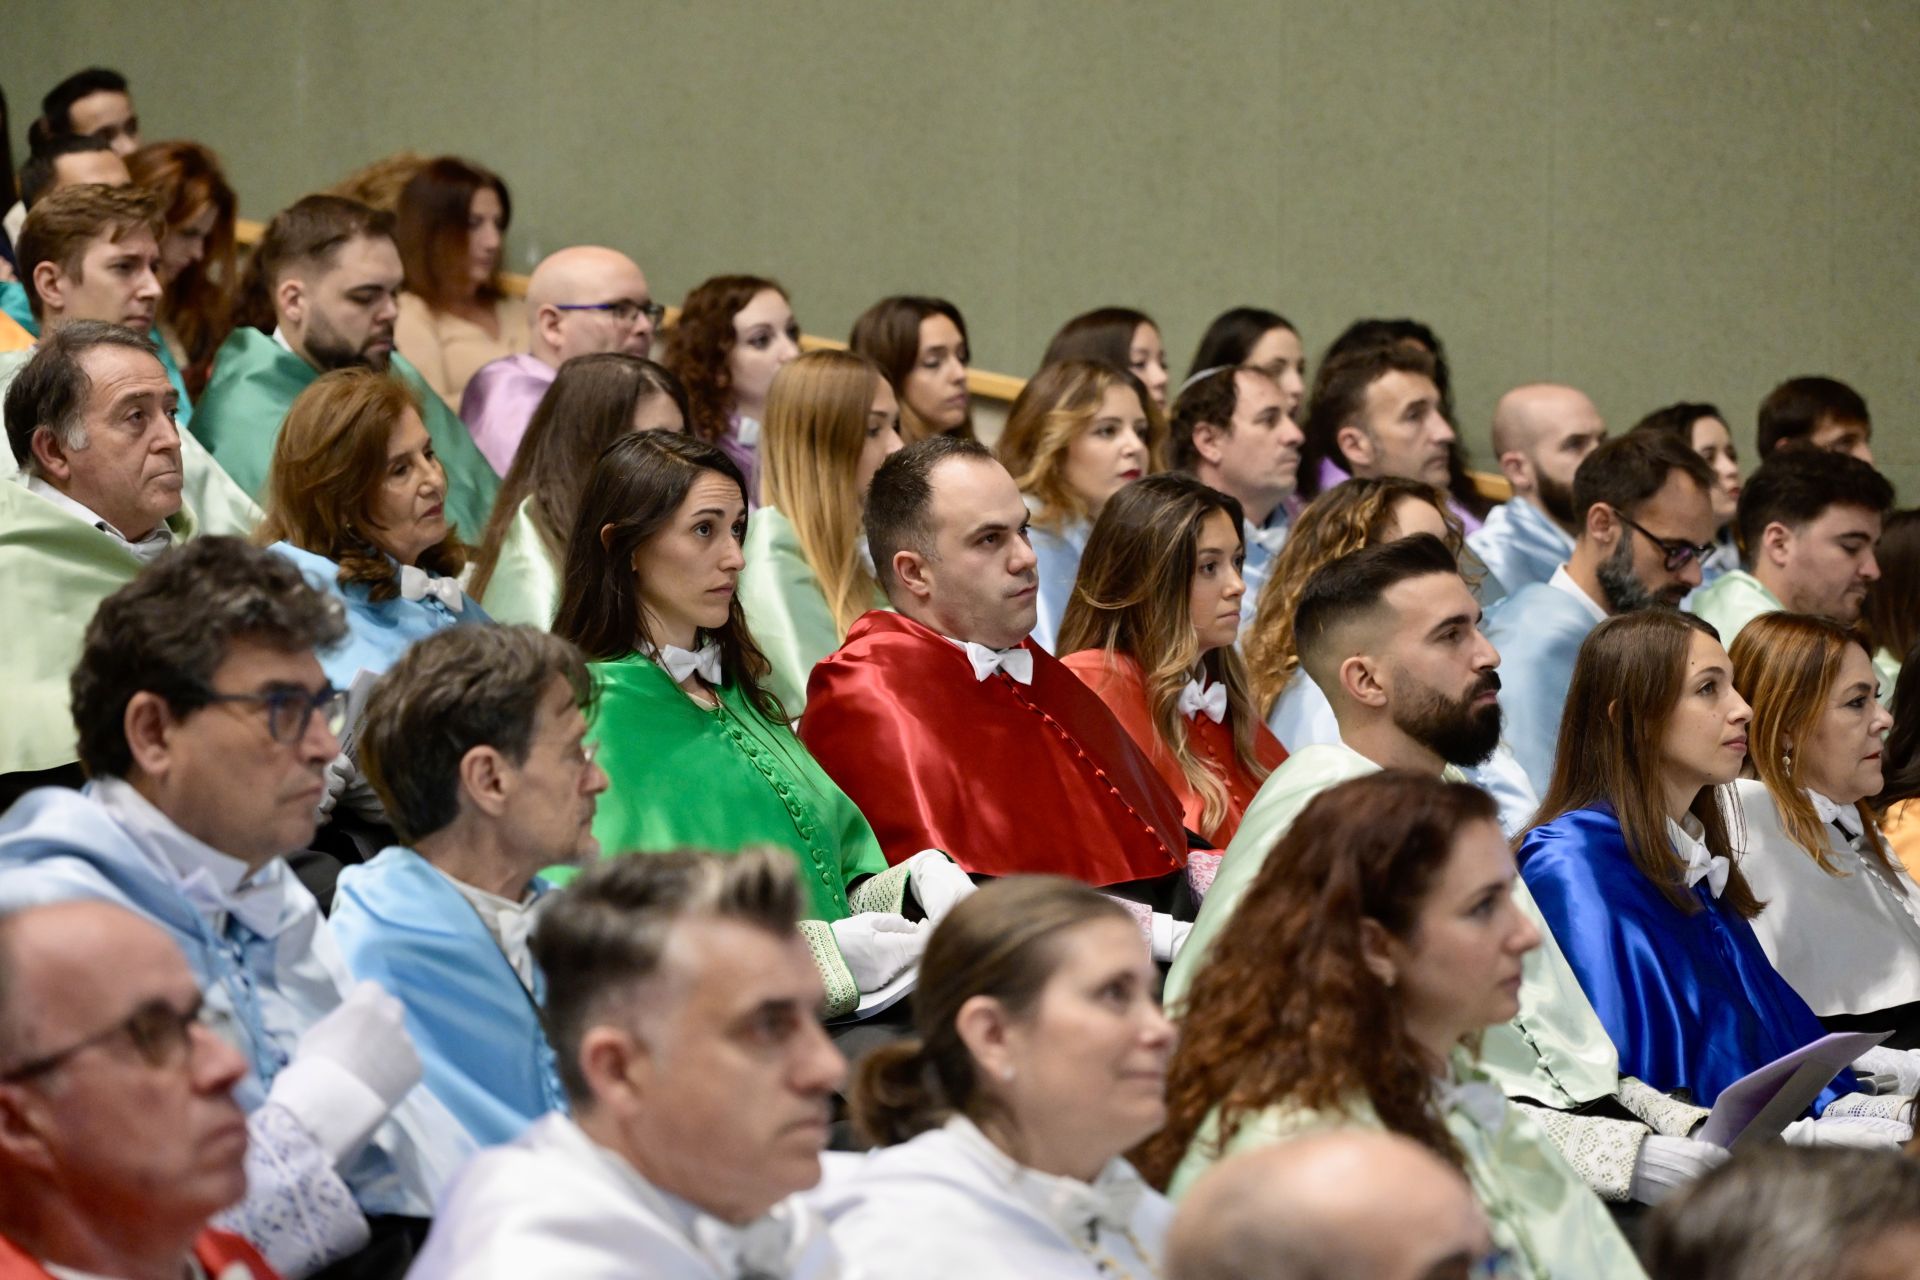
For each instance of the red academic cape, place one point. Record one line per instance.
(1116, 678)
(1004, 777)
(215, 1251)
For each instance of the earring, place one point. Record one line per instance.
(1006, 1074)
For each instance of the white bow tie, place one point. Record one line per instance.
(1199, 697)
(681, 663)
(1480, 1102)
(418, 584)
(1846, 817)
(758, 1251)
(1269, 538)
(1017, 662)
(1713, 867)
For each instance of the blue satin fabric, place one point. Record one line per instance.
(1690, 1001)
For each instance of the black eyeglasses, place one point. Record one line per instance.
(290, 711)
(161, 1034)
(623, 311)
(1679, 552)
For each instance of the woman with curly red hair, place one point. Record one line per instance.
(197, 268)
(733, 335)
(1381, 937)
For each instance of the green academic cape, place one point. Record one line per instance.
(256, 380)
(785, 607)
(1731, 601)
(55, 569)
(525, 586)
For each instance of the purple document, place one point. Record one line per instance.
(1759, 1105)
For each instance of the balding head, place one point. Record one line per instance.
(1349, 1205)
(1541, 432)
(561, 297)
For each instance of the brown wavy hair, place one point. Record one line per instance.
(1056, 406)
(430, 228)
(1285, 1011)
(1134, 595)
(1347, 517)
(198, 305)
(327, 464)
(703, 338)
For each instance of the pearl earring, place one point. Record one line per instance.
(1006, 1074)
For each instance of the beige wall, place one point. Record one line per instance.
(1649, 200)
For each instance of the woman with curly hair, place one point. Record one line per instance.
(455, 315)
(1377, 943)
(733, 336)
(1151, 629)
(197, 264)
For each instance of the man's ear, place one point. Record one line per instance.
(910, 570)
(1356, 446)
(618, 1067)
(1360, 680)
(1519, 471)
(1209, 442)
(1602, 524)
(546, 322)
(486, 780)
(50, 282)
(1776, 544)
(50, 457)
(148, 724)
(23, 1121)
(290, 300)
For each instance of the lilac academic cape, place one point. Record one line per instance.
(499, 403)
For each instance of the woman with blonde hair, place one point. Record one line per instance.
(1078, 433)
(1151, 629)
(1842, 922)
(832, 419)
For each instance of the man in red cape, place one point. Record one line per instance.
(952, 730)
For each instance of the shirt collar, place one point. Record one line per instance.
(1078, 1209)
(145, 549)
(217, 884)
(1563, 581)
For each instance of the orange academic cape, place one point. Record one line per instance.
(1004, 777)
(216, 1251)
(1116, 678)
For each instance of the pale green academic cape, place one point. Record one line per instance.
(55, 569)
(785, 607)
(525, 586)
(1731, 601)
(1886, 667)
(256, 380)
(1541, 1212)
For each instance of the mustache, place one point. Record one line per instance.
(1487, 683)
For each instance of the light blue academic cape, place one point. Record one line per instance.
(1059, 555)
(401, 923)
(1262, 545)
(377, 634)
(1538, 631)
(57, 845)
(1520, 545)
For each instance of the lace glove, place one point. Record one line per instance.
(1849, 1131)
(349, 1070)
(1168, 936)
(1665, 1165)
(879, 946)
(1902, 1064)
(937, 884)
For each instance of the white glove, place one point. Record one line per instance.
(1665, 1165)
(1848, 1131)
(938, 885)
(879, 946)
(1902, 1064)
(349, 1070)
(1169, 935)
(339, 776)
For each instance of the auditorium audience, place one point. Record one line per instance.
(475, 743)
(96, 103)
(1899, 817)
(733, 334)
(1151, 630)
(1040, 1058)
(1702, 428)
(1541, 434)
(683, 1012)
(899, 715)
(832, 419)
(455, 316)
(1259, 339)
(1808, 521)
(1645, 526)
(1076, 435)
(592, 401)
(205, 723)
(1233, 430)
(66, 161)
(122, 1136)
(1376, 412)
(1348, 1203)
(1117, 336)
(329, 273)
(1376, 944)
(1891, 614)
(681, 700)
(1815, 413)
(585, 300)
(197, 262)
(921, 346)
(1842, 922)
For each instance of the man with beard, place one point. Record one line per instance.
(1392, 634)
(1541, 434)
(328, 270)
(1645, 525)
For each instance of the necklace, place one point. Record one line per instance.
(1106, 1264)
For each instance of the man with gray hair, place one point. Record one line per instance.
(682, 1002)
(476, 743)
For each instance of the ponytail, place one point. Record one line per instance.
(895, 1096)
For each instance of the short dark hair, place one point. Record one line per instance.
(57, 107)
(606, 933)
(1340, 393)
(1211, 399)
(51, 389)
(168, 630)
(458, 689)
(38, 173)
(1795, 486)
(1354, 584)
(900, 499)
(1794, 410)
(1625, 472)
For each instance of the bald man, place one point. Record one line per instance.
(1353, 1204)
(580, 301)
(1541, 432)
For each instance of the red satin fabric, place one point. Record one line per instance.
(1006, 778)
(214, 1250)
(1116, 678)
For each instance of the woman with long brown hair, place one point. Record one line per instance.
(1377, 942)
(1151, 629)
(1842, 922)
(733, 335)
(455, 315)
(197, 264)
(1118, 336)
(921, 346)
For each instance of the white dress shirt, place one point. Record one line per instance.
(146, 549)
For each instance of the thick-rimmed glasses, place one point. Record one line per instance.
(1679, 551)
(624, 311)
(161, 1034)
(291, 710)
